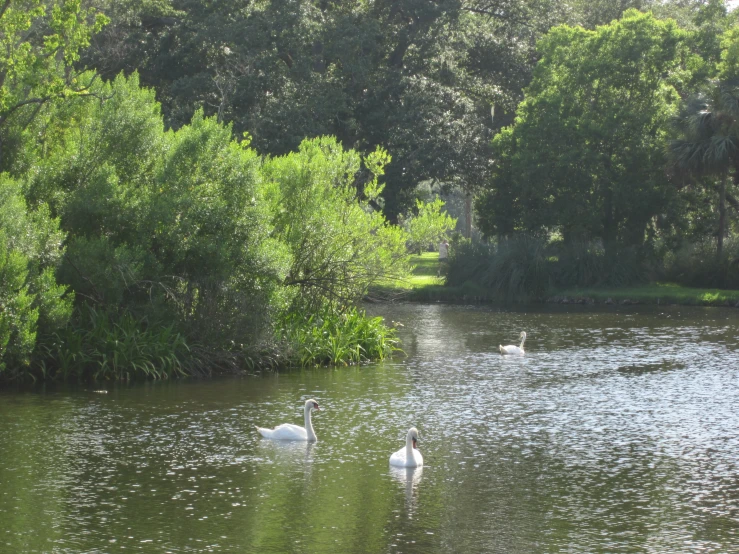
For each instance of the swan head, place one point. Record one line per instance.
(311, 405)
(413, 435)
(523, 335)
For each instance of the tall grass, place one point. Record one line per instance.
(525, 267)
(516, 269)
(106, 345)
(698, 265)
(333, 337)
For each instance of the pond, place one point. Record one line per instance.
(617, 432)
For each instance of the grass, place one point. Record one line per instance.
(425, 286)
(657, 293)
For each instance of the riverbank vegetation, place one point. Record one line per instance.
(189, 186)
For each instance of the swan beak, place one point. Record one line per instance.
(316, 408)
(414, 444)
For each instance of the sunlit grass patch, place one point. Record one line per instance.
(658, 293)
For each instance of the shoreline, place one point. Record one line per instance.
(425, 286)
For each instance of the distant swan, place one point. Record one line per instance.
(290, 432)
(512, 349)
(409, 456)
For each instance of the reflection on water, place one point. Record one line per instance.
(618, 432)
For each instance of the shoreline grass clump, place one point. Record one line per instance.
(335, 337)
(112, 346)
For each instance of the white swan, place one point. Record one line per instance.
(290, 432)
(409, 456)
(512, 349)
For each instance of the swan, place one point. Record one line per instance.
(512, 349)
(409, 456)
(290, 432)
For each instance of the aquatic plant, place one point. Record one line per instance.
(335, 337)
(108, 345)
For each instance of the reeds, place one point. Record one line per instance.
(333, 337)
(109, 346)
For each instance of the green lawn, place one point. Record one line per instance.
(662, 293)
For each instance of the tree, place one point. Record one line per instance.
(31, 302)
(585, 155)
(416, 78)
(338, 245)
(429, 225)
(707, 129)
(40, 43)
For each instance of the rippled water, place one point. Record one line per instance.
(618, 432)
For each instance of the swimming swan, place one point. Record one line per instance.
(512, 349)
(409, 456)
(290, 432)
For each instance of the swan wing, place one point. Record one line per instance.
(398, 459)
(285, 432)
(511, 350)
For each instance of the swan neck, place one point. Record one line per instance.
(523, 339)
(409, 448)
(309, 425)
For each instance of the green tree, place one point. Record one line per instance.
(40, 43)
(31, 302)
(417, 78)
(429, 225)
(339, 246)
(586, 153)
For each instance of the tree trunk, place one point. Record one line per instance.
(608, 238)
(721, 215)
(468, 216)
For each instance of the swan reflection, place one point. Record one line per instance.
(408, 477)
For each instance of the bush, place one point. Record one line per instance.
(515, 269)
(586, 264)
(698, 265)
(526, 267)
(31, 302)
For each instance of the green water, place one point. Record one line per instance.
(618, 432)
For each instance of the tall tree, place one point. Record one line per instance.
(585, 154)
(707, 129)
(40, 42)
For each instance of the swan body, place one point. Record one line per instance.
(513, 350)
(409, 456)
(290, 432)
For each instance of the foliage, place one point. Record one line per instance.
(586, 153)
(418, 78)
(514, 269)
(706, 134)
(526, 267)
(196, 229)
(116, 346)
(428, 225)
(698, 265)
(335, 337)
(40, 42)
(31, 302)
(339, 246)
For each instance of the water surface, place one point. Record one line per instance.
(618, 432)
